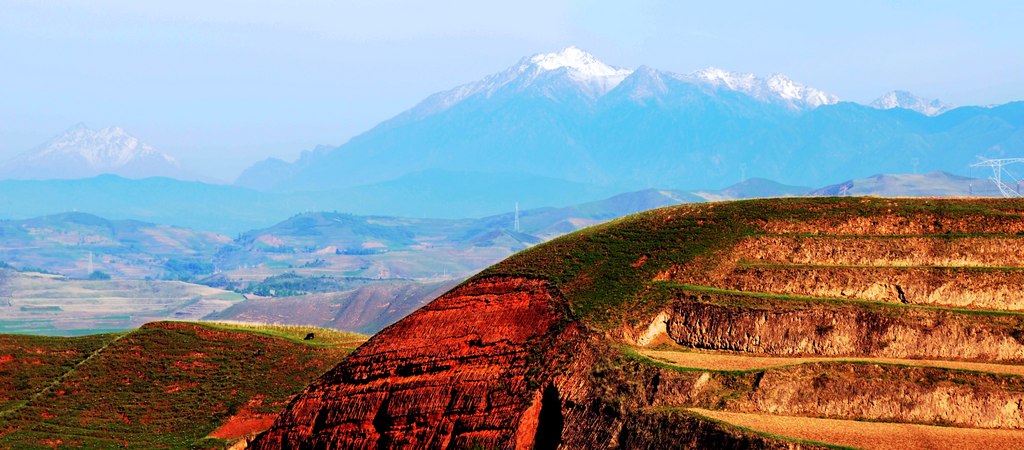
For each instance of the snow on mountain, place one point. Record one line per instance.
(584, 74)
(105, 149)
(775, 87)
(906, 100)
(583, 71)
(568, 116)
(582, 66)
(83, 152)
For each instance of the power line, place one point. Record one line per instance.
(998, 172)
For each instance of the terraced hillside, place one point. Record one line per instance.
(165, 385)
(785, 323)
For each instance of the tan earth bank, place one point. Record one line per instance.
(881, 436)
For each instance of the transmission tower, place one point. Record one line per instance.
(515, 226)
(998, 172)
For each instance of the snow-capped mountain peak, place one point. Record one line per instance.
(107, 148)
(776, 87)
(584, 73)
(574, 74)
(81, 152)
(578, 62)
(736, 81)
(906, 100)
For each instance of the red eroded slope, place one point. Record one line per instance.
(440, 377)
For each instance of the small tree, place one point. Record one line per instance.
(99, 275)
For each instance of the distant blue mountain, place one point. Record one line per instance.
(231, 209)
(223, 209)
(568, 116)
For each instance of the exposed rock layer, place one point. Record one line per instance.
(443, 377)
(967, 251)
(708, 321)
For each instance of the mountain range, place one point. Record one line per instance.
(567, 115)
(231, 209)
(568, 125)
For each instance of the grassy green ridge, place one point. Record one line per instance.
(323, 337)
(168, 385)
(605, 271)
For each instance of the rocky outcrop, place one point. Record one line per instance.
(474, 368)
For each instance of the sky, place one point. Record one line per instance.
(221, 85)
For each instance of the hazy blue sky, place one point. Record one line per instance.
(223, 84)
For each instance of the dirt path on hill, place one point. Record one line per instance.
(872, 435)
(730, 361)
(60, 379)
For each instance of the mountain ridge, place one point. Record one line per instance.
(567, 115)
(907, 100)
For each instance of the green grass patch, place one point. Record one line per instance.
(323, 337)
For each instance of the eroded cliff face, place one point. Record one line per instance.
(709, 321)
(899, 220)
(890, 393)
(852, 250)
(961, 287)
(473, 368)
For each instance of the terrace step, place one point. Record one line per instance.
(727, 361)
(779, 325)
(988, 288)
(919, 250)
(869, 435)
(876, 389)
